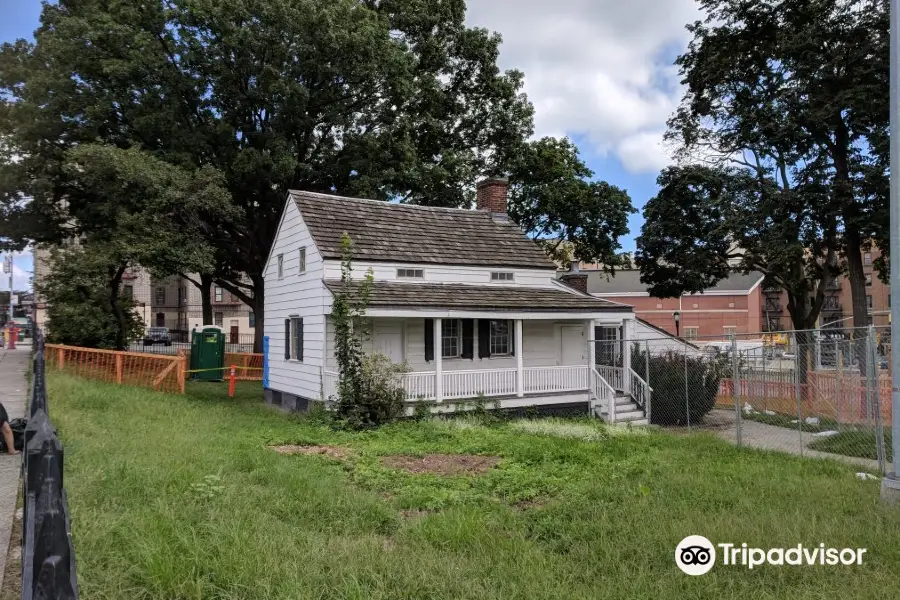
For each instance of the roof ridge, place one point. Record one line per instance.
(388, 203)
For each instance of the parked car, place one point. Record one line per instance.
(157, 335)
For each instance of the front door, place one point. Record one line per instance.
(234, 334)
(389, 341)
(160, 319)
(574, 346)
(608, 346)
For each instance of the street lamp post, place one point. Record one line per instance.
(677, 316)
(890, 485)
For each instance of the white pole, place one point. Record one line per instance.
(520, 361)
(438, 366)
(890, 487)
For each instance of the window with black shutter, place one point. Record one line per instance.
(429, 340)
(468, 338)
(484, 338)
(287, 339)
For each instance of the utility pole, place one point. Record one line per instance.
(890, 485)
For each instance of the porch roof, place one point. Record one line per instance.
(456, 296)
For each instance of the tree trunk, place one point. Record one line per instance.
(259, 312)
(118, 312)
(205, 286)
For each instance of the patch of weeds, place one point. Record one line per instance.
(209, 488)
(561, 428)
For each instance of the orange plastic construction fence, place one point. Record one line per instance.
(153, 371)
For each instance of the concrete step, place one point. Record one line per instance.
(630, 415)
(635, 423)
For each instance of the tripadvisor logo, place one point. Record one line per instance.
(696, 555)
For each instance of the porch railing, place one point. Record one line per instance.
(603, 393)
(490, 382)
(468, 384)
(556, 379)
(615, 376)
(641, 392)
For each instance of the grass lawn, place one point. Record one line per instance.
(854, 443)
(180, 497)
(790, 421)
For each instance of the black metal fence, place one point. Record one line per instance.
(48, 558)
(161, 341)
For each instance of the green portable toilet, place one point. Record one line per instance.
(208, 352)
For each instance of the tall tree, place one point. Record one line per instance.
(705, 223)
(387, 99)
(800, 85)
(553, 198)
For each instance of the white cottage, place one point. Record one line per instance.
(464, 297)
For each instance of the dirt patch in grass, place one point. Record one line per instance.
(442, 464)
(335, 452)
(413, 514)
(530, 504)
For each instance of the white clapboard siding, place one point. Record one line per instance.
(295, 294)
(387, 271)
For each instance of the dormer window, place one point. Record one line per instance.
(410, 274)
(502, 276)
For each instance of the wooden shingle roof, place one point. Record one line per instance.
(404, 233)
(457, 296)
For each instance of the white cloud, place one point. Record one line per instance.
(596, 68)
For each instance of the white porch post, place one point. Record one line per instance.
(438, 366)
(592, 345)
(627, 336)
(520, 361)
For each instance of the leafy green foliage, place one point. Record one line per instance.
(369, 390)
(672, 376)
(553, 198)
(707, 222)
(85, 307)
(793, 91)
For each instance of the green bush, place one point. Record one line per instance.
(684, 389)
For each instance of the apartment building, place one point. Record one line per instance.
(177, 304)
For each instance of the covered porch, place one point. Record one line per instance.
(523, 346)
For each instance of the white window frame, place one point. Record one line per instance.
(867, 258)
(508, 335)
(219, 319)
(301, 257)
(295, 350)
(281, 266)
(452, 338)
(727, 330)
(691, 333)
(503, 276)
(219, 294)
(161, 299)
(410, 273)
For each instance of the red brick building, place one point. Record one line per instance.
(735, 305)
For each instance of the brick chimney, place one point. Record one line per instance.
(575, 278)
(491, 194)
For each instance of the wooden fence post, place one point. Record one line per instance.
(60, 358)
(118, 368)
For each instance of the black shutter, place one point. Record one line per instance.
(468, 338)
(287, 339)
(484, 338)
(429, 340)
(512, 337)
(299, 334)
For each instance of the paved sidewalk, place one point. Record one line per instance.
(770, 437)
(13, 365)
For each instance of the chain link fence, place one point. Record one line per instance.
(812, 393)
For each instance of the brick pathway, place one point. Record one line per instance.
(13, 365)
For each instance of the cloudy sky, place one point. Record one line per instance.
(598, 71)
